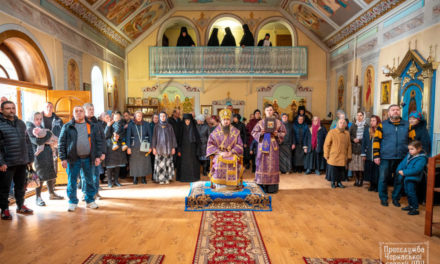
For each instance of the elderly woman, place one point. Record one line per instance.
(337, 151)
(138, 134)
(43, 162)
(164, 146)
(418, 131)
(286, 146)
(315, 138)
(356, 164)
(203, 130)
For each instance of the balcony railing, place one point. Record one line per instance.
(228, 61)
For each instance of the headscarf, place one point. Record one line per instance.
(200, 117)
(315, 129)
(360, 128)
(416, 115)
(184, 41)
(248, 37)
(228, 39)
(192, 129)
(213, 39)
(166, 118)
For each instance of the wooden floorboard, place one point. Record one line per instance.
(308, 219)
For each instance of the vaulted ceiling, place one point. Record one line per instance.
(123, 21)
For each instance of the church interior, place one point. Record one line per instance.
(323, 56)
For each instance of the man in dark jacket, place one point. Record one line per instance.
(80, 147)
(90, 115)
(390, 146)
(15, 154)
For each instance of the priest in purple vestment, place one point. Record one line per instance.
(269, 133)
(226, 148)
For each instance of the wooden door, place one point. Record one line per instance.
(64, 102)
(284, 40)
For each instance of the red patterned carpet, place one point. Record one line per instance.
(230, 237)
(124, 259)
(340, 261)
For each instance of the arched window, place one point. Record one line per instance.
(97, 90)
(7, 68)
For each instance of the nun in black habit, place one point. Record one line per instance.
(248, 37)
(213, 39)
(228, 39)
(184, 39)
(189, 166)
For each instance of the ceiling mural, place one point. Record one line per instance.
(274, 3)
(312, 21)
(145, 19)
(118, 10)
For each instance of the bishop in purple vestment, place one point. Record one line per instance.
(226, 147)
(267, 173)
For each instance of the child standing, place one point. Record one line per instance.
(411, 170)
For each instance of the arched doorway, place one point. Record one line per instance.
(224, 21)
(97, 90)
(169, 32)
(281, 32)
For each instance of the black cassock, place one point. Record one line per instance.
(286, 150)
(189, 166)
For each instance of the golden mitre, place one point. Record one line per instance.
(225, 114)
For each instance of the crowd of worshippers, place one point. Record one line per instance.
(228, 40)
(116, 145)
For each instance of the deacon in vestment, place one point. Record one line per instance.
(226, 147)
(269, 133)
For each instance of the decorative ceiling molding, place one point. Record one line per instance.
(84, 13)
(362, 21)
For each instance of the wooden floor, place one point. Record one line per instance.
(308, 219)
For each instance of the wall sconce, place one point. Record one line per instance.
(110, 86)
(389, 72)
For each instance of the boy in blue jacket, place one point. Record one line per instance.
(411, 170)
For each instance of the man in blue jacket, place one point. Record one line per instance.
(390, 146)
(15, 154)
(80, 147)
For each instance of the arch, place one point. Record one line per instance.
(216, 18)
(28, 51)
(97, 81)
(172, 20)
(284, 22)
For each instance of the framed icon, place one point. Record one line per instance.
(145, 101)
(138, 101)
(154, 101)
(385, 92)
(130, 100)
(206, 110)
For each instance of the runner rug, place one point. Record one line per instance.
(230, 237)
(340, 261)
(123, 259)
(251, 198)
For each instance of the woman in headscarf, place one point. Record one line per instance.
(138, 132)
(300, 129)
(228, 39)
(213, 39)
(249, 127)
(371, 169)
(248, 38)
(189, 166)
(315, 138)
(152, 124)
(164, 146)
(43, 162)
(356, 165)
(286, 146)
(203, 129)
(185, 39)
